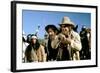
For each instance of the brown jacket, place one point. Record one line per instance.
(35, 55)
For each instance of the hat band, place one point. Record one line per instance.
(34, 37)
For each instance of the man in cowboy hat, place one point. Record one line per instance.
(70, 41)
(52, 42)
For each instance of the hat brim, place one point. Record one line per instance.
(67, 24)
(34, 37)
(52, 27)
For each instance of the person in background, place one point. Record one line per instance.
(25, 44)
(70, 43)
(85, 35)
(35, 52)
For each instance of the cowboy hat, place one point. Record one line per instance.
(53, 27)
(66, 21)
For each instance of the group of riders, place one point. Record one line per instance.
(63, 44)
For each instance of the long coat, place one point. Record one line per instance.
(70, 51)
(33, 55)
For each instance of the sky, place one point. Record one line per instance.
(31, 19)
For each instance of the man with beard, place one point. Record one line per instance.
(70, 43)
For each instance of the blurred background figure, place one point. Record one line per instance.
(85, 35)
(75, 28)
(25, 44)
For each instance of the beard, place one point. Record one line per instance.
(66, 33)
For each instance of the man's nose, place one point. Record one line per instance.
(50, 33)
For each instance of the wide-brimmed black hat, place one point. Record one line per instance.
(53, 27)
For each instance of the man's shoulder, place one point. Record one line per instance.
(75, 33)
(41, 46)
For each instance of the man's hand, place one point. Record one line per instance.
(68, 40)
(65, 40)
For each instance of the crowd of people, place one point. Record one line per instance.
(63, 44)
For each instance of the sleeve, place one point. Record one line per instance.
(43, 54)
(27, 53)
(76, 42)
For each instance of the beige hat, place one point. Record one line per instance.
(66, 21)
